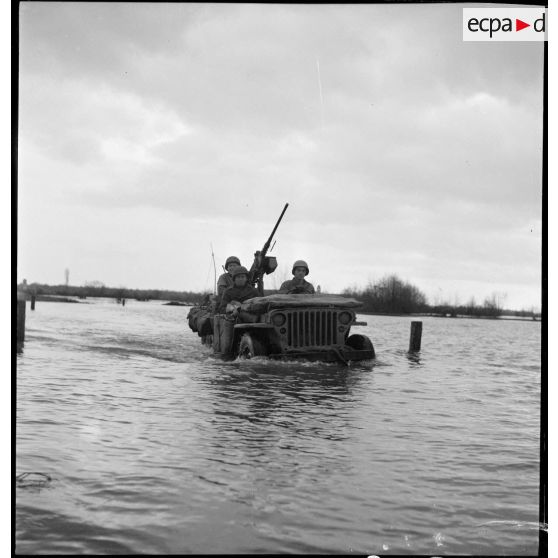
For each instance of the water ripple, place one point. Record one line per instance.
(155, 446)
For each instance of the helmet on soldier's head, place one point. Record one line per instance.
(240, 270)
(301, 263)
(230, 260)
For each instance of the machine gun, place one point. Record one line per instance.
(264, 264)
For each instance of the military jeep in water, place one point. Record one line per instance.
(312, 327)
(309, 326)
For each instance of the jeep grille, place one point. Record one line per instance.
(311, 328)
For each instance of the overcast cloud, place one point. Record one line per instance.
(148, 131)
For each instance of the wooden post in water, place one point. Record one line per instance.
(20, 328)
(33, 298)
(416, 335)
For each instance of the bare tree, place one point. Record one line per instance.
(494, 304)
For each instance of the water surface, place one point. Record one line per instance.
(155, 446)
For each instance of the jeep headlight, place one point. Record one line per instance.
(345, 318)
(278, 319)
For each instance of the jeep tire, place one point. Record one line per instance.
(251, 347)
(360, 343)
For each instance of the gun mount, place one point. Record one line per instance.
(264, 264)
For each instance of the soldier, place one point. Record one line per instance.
(298, 285)
(240, 291)
(225, 280)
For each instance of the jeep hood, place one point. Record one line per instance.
(262, 304)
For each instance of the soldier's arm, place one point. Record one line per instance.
(221, 285)
(310, 289)
(284, 288)
(225, 299)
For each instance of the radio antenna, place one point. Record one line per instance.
(214, 270)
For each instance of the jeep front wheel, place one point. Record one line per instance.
(360, 343)
(251, 347)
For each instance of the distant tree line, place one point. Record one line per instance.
(98, 289)
(390, 295)
(492, 307)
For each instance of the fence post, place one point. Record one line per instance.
(20, 328)
(416, 335)
(33, 298)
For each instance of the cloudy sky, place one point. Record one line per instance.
(149, 131)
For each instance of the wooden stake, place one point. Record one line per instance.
(416, 334)
(20, 329)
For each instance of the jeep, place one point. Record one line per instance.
(311, 327)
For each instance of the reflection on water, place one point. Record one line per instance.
(414, 358)
(153, 445)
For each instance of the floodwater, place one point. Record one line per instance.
(154, 446)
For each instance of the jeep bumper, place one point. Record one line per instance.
(336, 354)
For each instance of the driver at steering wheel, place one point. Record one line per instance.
(298, 285)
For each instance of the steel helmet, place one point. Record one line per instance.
(230, 260)
(301, 263)
(240, 270)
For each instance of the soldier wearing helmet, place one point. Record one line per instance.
(225, 281)
(298, 285)
(240, 291)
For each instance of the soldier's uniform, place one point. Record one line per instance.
(298, 286)
(293, 286)
(223, 283)
(237, 293)
(225, 280)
